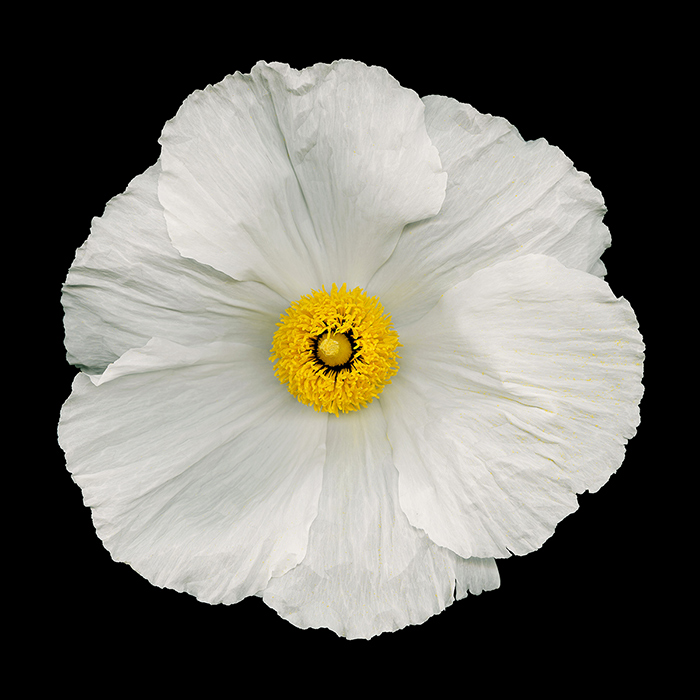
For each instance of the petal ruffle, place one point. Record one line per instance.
(200, 472)
(298, 178)
(367, 570)
(128, 284)
(517, 391)
(505, 197)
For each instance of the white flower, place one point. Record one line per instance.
(442, 409)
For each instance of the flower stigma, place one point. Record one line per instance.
(335, 350)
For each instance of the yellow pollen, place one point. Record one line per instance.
(335, 350)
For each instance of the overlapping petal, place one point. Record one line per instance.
(129, 284)
(506, 197)
(367, 569)
(199, 471)
(517, 391)
(298, 178)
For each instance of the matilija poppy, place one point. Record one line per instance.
(342, 348)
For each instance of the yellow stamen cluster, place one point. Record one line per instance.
(336, 351)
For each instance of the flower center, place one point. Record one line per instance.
(336, 351)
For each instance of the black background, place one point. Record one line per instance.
(591, 599)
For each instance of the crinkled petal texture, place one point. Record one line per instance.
(321, 168)
(505, 197)
(517, 391)
(367, 569)
(129, 284)
(200, 472)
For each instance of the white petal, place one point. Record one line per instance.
(367, 570)
(298, 178)
(200, 472)
(505, 197)
(129, 284)
(517, 391)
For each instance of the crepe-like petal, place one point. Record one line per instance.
(505, 197)
(517, 391)
(298, 178)
(128, 284)
(199, 471)
(367, 570)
